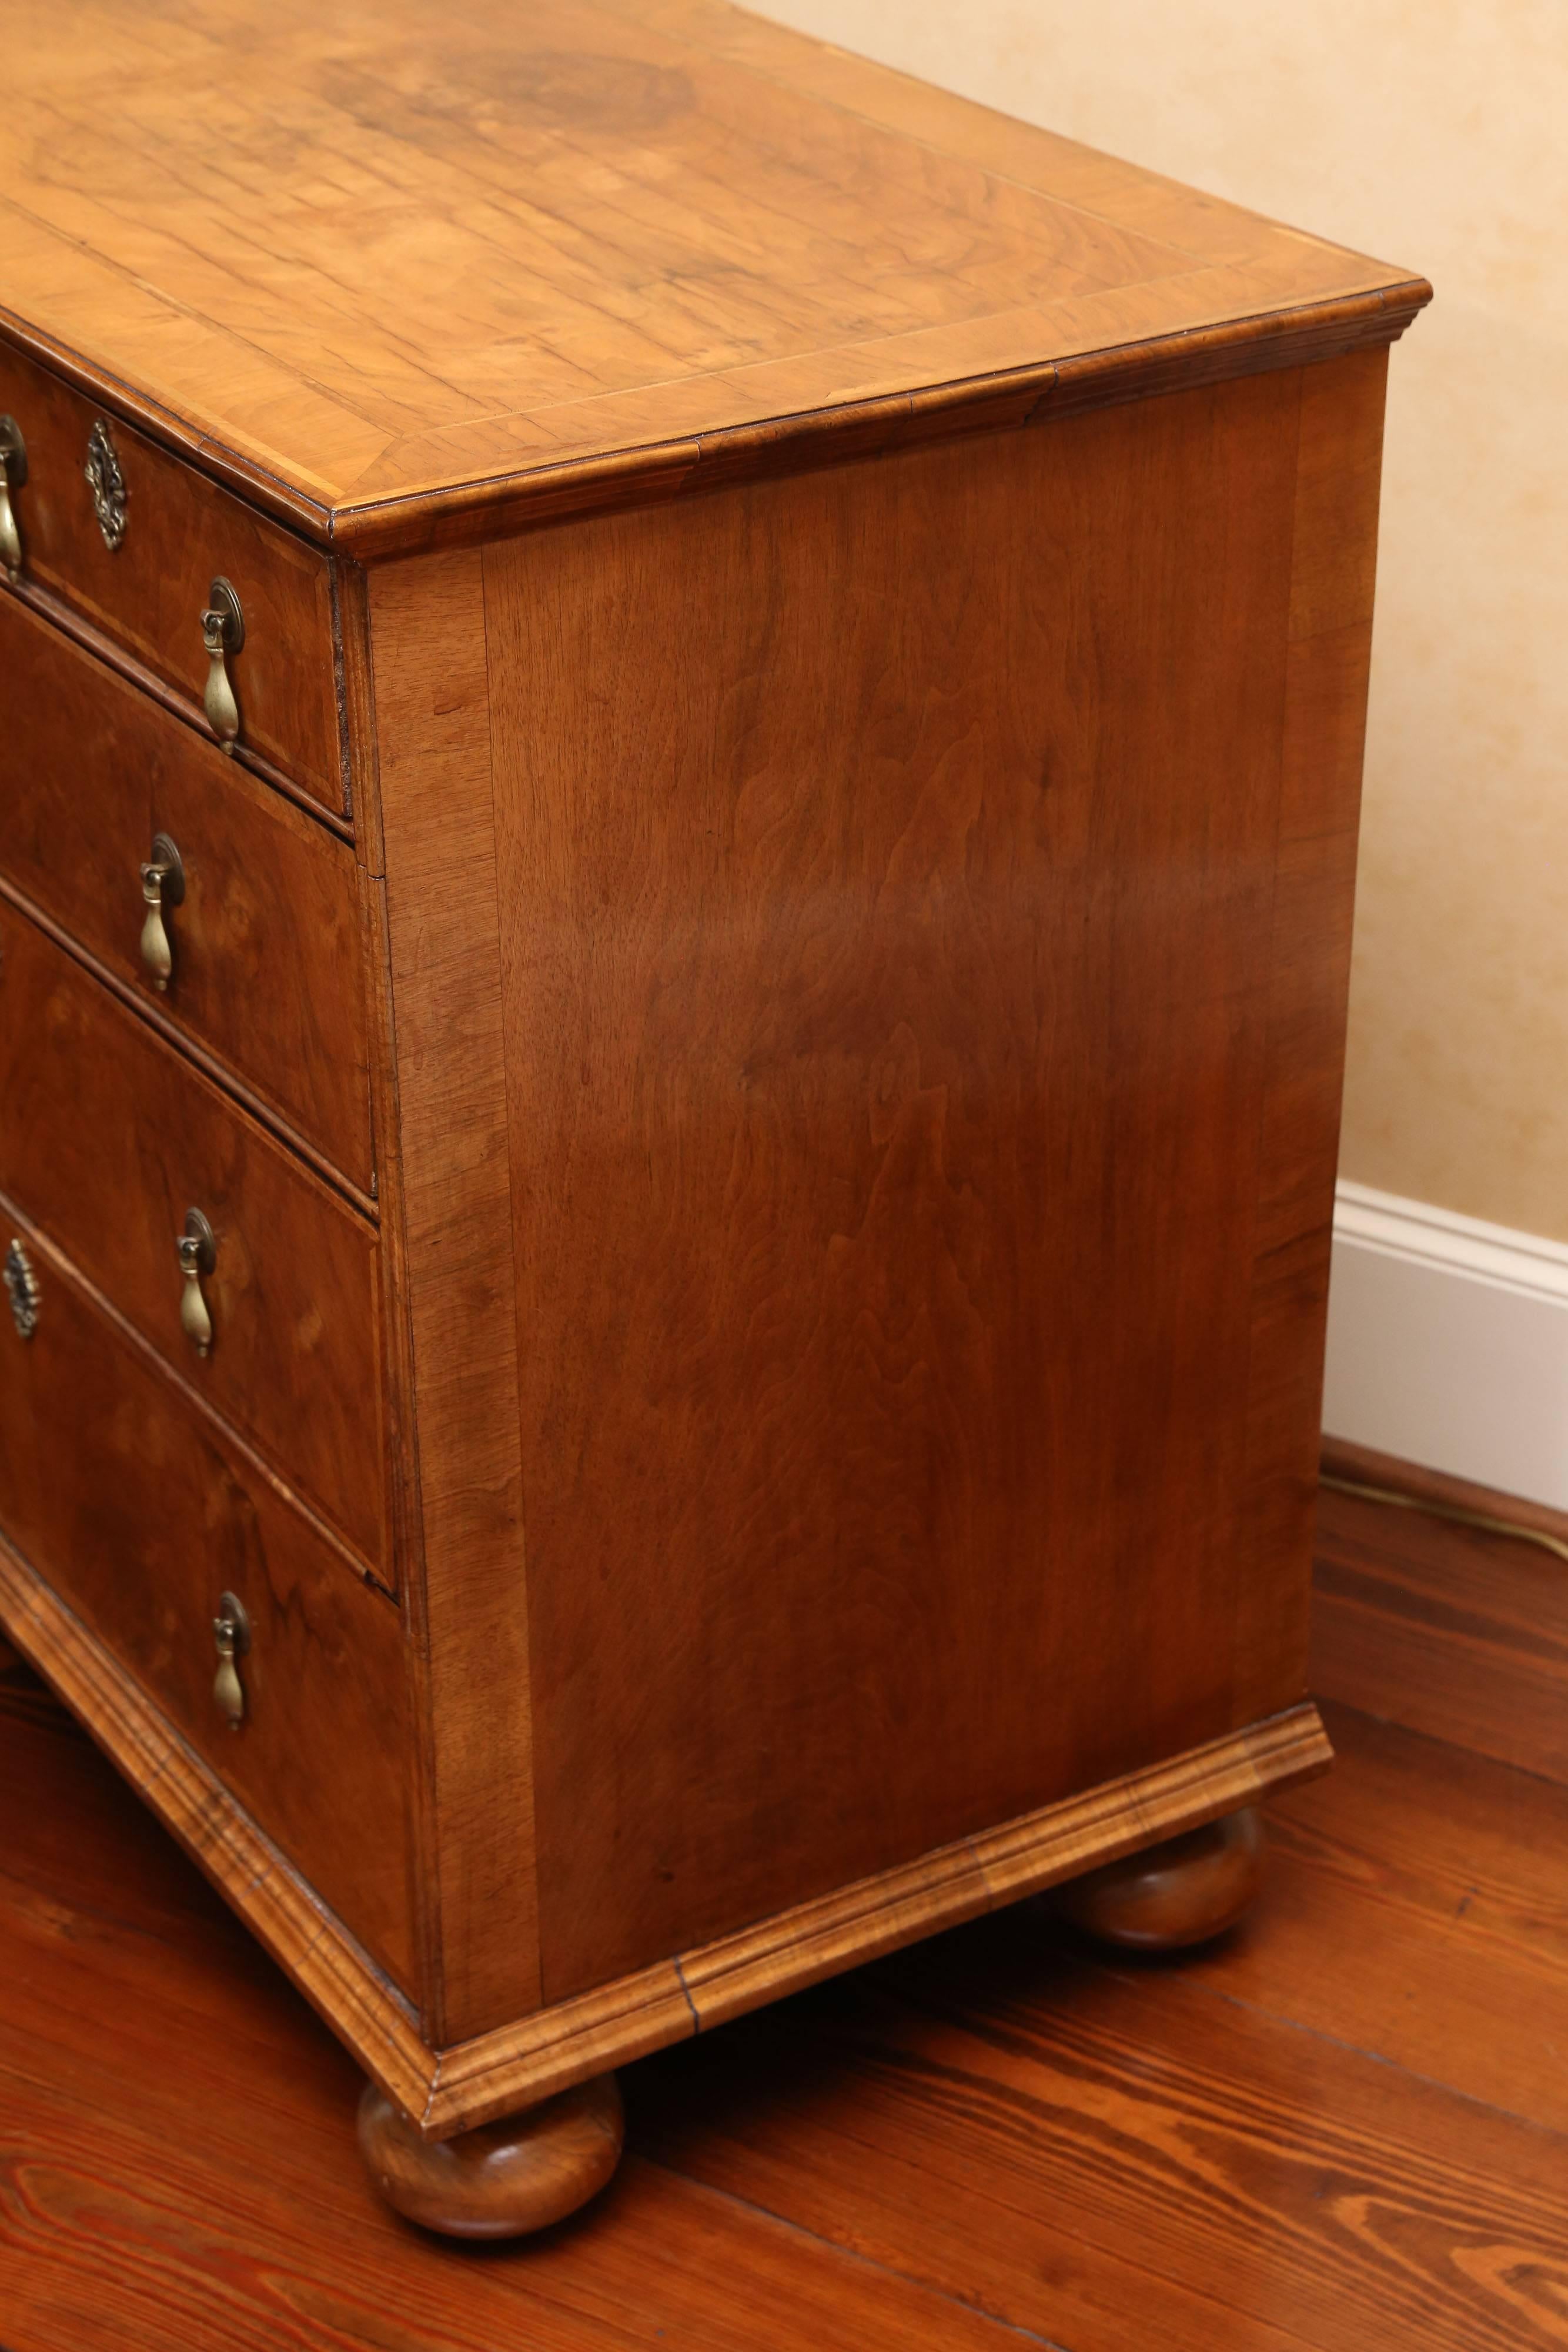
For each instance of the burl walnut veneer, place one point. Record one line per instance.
(684, 728)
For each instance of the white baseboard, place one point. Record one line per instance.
(1448, 1343)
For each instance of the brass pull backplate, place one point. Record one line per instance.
(22, 1290)
(231, 1632)
(13, 474)
(222, 634)
(198, 1251)
(107, 483)
(163, 887)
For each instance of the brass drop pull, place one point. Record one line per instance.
(198, 1251)
(231, 1632)
(13, 474)
(222, 634)
(163, 887)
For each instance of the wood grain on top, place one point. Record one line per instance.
(377, 264)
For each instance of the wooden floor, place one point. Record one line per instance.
(1347, 2128)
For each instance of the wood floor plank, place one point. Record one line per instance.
(177, 2165)
(1445, 1629)
(659, 2262)
(1345, 2130)
(1416, 1906)
(1117, 2160)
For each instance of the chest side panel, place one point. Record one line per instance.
(1333, 563)
(886, 873)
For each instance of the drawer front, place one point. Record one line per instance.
(181, 532)
(267, 959)
(141, 1513)
(107, 1139)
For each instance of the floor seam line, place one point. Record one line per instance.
(1358, 2050)
(852, 2254)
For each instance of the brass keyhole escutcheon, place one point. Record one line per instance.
(231, 1632)
(198, 1249)
(222, 634)
(163, 887)
(13, 474)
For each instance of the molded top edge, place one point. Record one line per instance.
(401, 286)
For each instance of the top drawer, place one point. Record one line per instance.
(179, 533)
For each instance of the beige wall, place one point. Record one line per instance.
(1433, 133)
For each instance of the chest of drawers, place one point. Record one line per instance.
(679, 802)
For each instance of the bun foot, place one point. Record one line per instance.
(500, 2179)
(1171, 1895)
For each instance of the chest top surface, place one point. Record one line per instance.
(375, 265)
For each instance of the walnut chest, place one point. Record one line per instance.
(684, 729)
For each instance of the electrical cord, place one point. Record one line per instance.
(1446, 1511)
